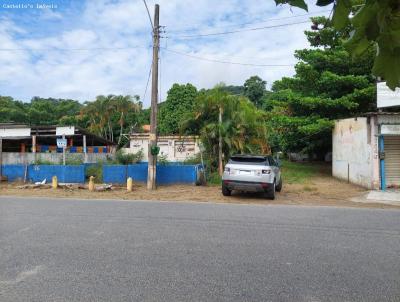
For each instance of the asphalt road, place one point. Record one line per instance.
(75, 250)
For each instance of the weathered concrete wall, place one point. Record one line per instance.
(174, 148)
(353, 149)
(11, 158)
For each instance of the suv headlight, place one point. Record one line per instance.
(267, 171)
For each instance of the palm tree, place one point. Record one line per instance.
(228, 124)
(123, 105)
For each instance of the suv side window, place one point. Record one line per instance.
(271, 161)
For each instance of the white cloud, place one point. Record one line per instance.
(83, 74)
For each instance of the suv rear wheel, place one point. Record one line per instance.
(279, 186)
(271, 193)
(226, 191)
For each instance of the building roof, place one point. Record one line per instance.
(380, 113)
(146, 128)
(49, 131)
(147, 135)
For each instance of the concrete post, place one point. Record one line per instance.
(85, 160)
(34, 147)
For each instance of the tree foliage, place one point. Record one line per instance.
(376, 21)
(254, 89)
(242, 128)
(328, 84)
(179, 102)
(108, 116)
(111, 116)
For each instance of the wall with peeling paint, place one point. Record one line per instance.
(355, 152)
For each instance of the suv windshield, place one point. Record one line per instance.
(249, 160)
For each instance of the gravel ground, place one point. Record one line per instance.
(324, 190)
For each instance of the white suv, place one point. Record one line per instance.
(252, 173)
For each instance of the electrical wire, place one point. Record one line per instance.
(237, 31)
(252, 23)
(148, 13)
(148, 80)
(72, 49)
(226, 62)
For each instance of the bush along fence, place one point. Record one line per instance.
(36, 173)
(166, 174)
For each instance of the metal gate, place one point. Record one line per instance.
(392, 160)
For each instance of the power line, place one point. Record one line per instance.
(226, 62)
(252, 23)
(147, 84)
(72, 49)
(237, 31)
(148, 14)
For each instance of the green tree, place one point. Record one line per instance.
(110, 116)
(254, 89)
(179, 102)
(328, 84)
(373, 21)
(11, 110)
(227, 124)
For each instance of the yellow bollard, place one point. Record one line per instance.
(91, 183)
(129, 184)
(54, 182)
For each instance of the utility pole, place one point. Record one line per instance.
(220, 166)
(153, 150)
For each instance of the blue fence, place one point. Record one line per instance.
(13, 172)
(66, 174)
(34, 173)
(114, 174)
(166, 174)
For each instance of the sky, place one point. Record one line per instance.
(78, 49)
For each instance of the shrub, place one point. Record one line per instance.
(40, 161)
(73, 159)
(95, 170)
(214, 179)
(128, 158)
(193, 160)
(162, 159)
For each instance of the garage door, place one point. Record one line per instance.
(392, 160)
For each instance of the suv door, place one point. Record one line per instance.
(275, 168)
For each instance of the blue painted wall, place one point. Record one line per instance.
(65, 174)
(14, 172)
(115, 174)
(166, 174)
(138, 172)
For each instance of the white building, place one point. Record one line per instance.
(366, 150)
(173, 147)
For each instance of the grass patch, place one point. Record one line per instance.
(301, 173)
(213, 179)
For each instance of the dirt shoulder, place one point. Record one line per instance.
(321, 191)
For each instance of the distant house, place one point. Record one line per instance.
(366, 150)
(173, 147)
(25, 144)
